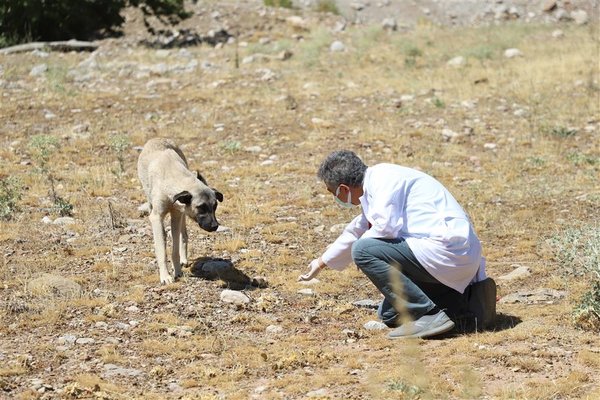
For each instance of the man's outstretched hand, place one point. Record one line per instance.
(315, 268)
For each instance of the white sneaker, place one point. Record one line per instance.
(426, 326)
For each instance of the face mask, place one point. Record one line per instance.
(347, 203)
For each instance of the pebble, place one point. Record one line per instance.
(374, 326)
(512, 53)
(306, 292)
(274, 329)
(85, 341)
(337, 47)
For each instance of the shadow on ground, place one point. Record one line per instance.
(223, 269)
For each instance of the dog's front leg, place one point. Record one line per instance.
(158, 230)
(176, 218)
(183, 244)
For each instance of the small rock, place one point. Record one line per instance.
(253, 149)
(490, 146)
(67, 339)
(38, 70)
(389, 24)
(47, 220)
(312, 282)
(337, 47)
(85, 341)
(306, 292)
(374, 326)
(542, 295)
(297, 22)
(458, 61)
(580, 17)
(234, 297)
(518, 273)
(64, 221)
(549, 5)
(512, 53)
(133, 309)
(274, 329)
(557, 34)
(317, 393)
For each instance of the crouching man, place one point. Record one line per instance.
(412, 240)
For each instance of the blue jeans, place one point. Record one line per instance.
(391, 265)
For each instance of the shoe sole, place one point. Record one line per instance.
(445, 327)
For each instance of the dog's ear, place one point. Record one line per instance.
(218, 194)
(184, 197)
(201, 178)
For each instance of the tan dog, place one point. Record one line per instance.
(172, 188)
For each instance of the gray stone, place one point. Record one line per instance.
(274, 329)
(85, 341)
(389, 24)
(38, 70)
(337, 47)
(374, 326)
(67, 339)
(536, 296)
(457, 61)
(580, 17)
(306, 292)
(64, 221)
(512, 53)
(234, 297)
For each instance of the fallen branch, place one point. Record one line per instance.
(70, 45)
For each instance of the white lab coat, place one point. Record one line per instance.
(401, 202)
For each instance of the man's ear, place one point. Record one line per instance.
(201, 178)
(218, 194)
(184, 197)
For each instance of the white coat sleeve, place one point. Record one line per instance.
(339, 254)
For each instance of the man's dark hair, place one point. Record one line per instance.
(342, 167)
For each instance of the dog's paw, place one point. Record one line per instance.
(166, 280)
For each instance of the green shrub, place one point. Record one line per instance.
(10, 194)
(32, 20)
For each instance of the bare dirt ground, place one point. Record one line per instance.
(515, 139)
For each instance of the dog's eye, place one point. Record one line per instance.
(203, 209)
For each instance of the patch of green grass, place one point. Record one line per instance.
(231, 146)
(439, 103)
(579, 159)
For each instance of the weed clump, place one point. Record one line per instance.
(578, 250)
(10, 194)
(42, 148)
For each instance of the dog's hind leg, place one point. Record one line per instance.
(183, 244)
(156, 220)
(176, 233)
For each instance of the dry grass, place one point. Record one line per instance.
(537, 181)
